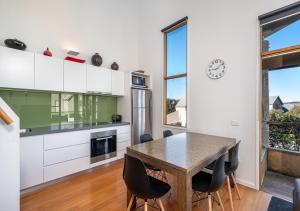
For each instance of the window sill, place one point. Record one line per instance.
(174, 127)
(284, 150)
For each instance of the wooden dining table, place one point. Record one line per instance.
(182, 155)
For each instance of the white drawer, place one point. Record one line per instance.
(122, 145)
(66, 153)
(123, 137)
(123, 129)
(58, 140)
(66, 168)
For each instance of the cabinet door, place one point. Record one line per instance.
(74, 77)
(117, 83)
(98, 79)
(31, 161)
(48, 73)
(16, 68)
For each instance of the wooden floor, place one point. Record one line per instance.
(104, 189)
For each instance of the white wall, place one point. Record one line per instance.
(109, 27)
(216, 29)
(9, 162)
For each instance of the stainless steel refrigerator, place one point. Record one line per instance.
(141, 113)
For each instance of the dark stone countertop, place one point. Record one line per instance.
(67, 127)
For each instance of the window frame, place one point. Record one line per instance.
(166, 78)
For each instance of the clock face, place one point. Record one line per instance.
(216, 69)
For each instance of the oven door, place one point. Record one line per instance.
(103, 148)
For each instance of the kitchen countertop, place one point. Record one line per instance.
(67, 127)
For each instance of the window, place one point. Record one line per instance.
(280, 83)
(175, 74)
(281, 34)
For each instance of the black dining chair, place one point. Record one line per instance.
(230, 167)
(140, 184)
(211, 183)
(152, 170)
(167, 133)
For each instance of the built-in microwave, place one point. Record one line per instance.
(138, 81)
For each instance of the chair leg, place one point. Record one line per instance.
(161, 205)
(164, 176)
(209, 202)
(146, 206)
(130, 202)
(220, 201)
(236, 186)
(229, 192)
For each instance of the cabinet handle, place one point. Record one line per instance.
(4, 116)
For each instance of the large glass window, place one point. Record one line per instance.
(175, 76)
(281, 76)
(281, 34)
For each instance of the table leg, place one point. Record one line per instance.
(184, 191)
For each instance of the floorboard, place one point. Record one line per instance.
(104, 189)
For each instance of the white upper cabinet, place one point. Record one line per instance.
(74, 77)
(117, 83)
(98, 79)
(49, 73)
(16, 68)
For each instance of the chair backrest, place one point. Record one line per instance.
(167, 133)
(218, 175)
(135, 176)
(145, 138)
(234, 156)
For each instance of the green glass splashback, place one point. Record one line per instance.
(39, 109)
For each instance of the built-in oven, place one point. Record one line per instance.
(103, 145)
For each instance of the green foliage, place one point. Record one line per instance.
(284, 130)
(171, 105)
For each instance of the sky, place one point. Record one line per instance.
(286, 82)
(176, 62)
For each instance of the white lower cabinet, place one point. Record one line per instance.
(66, 168)
(31, 161)
(49, 157)
(123, 137)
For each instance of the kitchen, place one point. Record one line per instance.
(88, 88)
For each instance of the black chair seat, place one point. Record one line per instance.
(153, 168)
(157, 189)
(160, 188)
(202, 181)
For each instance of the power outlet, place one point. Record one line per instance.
(235, 123)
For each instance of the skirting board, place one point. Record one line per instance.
(246, 183)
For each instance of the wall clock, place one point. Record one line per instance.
(216, 69)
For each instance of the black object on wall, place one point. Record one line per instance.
(16, 44)
(114, 66)
(96, 60)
